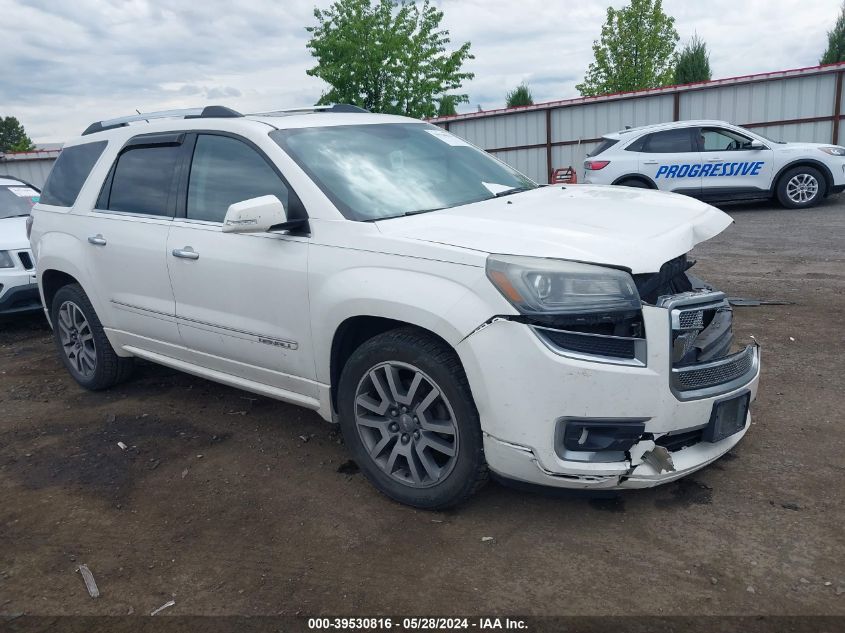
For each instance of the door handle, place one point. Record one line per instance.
(97, 240)
(714, 160)
(650, 162)
(186, 253)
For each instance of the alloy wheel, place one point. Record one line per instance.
(77, 339)
(406, 424)
(802, 188)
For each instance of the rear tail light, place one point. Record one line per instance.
(28, 226)
(595, 165)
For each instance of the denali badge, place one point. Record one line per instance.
(278, 343)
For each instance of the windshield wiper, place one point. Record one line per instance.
(405, 214)
(512, 190)
(418, 211)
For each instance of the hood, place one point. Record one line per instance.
(638, 229)
(801, 147)
(13, 234)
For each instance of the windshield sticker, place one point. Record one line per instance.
(397, 159)
(706, 170)
(449, 139)
(24, 192)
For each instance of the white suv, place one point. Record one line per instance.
(449, 313)
(717, 162)
(18, 290)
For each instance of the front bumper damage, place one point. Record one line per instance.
(523, 390)
(643, 470)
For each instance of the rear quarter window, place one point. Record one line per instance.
(70, 172)
(606, 144)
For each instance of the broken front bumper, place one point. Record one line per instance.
(523, 389)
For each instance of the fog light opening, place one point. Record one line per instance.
(597, 439)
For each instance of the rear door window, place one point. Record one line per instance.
(70, 172)
(669, 142)
(226, 170)
(143, 180)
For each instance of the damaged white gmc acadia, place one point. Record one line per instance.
(450, 314)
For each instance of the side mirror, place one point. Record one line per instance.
(755, 144)
(255, 215)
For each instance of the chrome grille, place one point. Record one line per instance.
(720, 372)
(700, 345)
(691, 319)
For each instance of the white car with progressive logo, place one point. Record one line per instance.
(717, 162)
(453, 316)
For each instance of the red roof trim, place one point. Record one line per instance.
(33, 151)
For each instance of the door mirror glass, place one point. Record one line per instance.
(255, 215)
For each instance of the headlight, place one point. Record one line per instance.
(6, 260)
(833, 151)
(538, 286)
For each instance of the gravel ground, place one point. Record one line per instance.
(229, 503)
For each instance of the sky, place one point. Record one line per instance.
(66, 63)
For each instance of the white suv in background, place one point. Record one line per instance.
(18, 288)
(449, 313)
(717, 162)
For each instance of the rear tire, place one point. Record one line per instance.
(81, 342)
(634, 182)
(801, 188)
(409, 420)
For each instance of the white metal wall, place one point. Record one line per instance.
(796, 105)
(32, 171)
(777, 100)
(527, 128)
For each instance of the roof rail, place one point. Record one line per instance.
(339, 108)
(208, 112)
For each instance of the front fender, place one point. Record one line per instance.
(446, 299)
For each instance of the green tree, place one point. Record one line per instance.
(693, 62)
(519, 96)
(448, 104)
(636, 50)
(386, 56)
(13, 136)
(835, 41)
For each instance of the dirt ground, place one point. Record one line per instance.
(229, 503)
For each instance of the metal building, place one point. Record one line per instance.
(804, 104)
(31, 167)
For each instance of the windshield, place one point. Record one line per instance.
(373, 172)
(17, 200)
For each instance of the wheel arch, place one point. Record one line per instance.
(636, 176)
(51, 281)
(357, 330)
(805, 162)
(61, 258)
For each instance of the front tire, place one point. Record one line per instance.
(82, 344)
(801, 187)
(409, 420)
